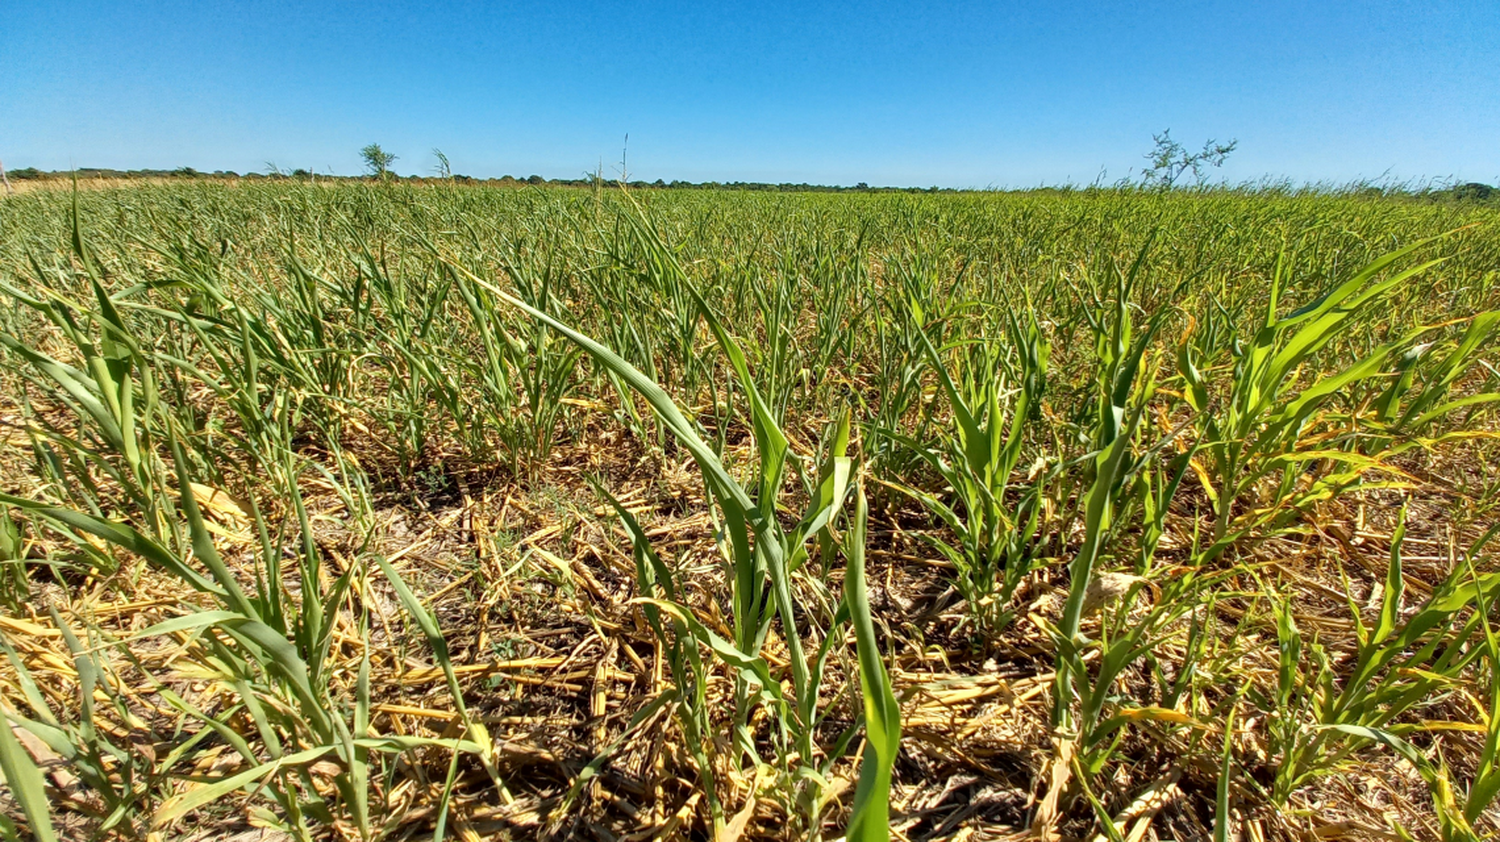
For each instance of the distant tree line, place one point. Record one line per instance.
(32, 173)
(1465, 192)
(385, 174)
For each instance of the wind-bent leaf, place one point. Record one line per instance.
(870, 819)
(25, 781)
(121, 536)
(180, 805)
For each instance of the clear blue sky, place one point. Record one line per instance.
(955, 94)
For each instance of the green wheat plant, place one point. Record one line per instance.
(1400, 665)
(995, 525)
(277, 462)
(1275, 424)
(763, 557)
(273, 657)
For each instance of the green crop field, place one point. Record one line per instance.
(381, 511)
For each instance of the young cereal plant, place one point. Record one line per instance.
(1121, 404)
(1274, 424)
(1321, 717)
(266, 655)
(991, 409)
(763, 558)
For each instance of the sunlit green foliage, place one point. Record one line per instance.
(1089, 395)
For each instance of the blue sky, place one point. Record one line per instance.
(954, 94)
